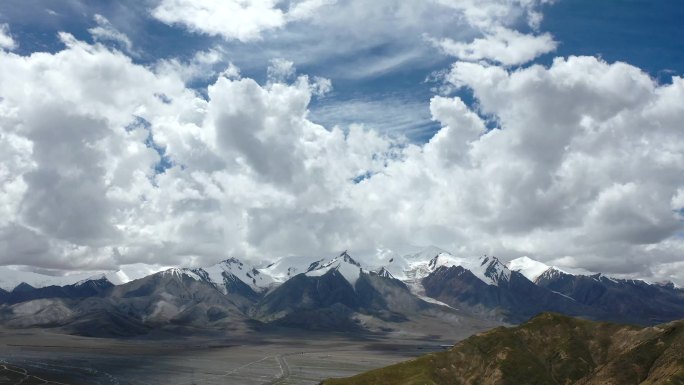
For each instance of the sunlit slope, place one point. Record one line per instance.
(549, 349)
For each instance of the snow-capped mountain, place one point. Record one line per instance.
(225, 272)
(631, 300)
(415, 267)
(531, 268)
(337, 292)
(287, 267)
(343, 264)
(228, 276)
(11, 277)
(552, 274)
(85, 288)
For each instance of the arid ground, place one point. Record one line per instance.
(275, 357)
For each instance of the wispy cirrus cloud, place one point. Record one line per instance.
(104, 31)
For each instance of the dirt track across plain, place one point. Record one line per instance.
(40, 357)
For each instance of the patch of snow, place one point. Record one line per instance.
(178, 272)
(563, 295)
(96, 277)
(287, 267)
(131, 272)
(418, 290)
(528, 267)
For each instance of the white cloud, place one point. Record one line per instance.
(583, 168)
(244, 151)
(106, 32)
(204, 65)
(496, 21)
(242, 20)
(371, 38)
(281, 71)
(6, 40)
(305, 9)
(492, 13)
(502, 45)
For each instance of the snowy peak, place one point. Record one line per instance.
(348, 259)
(528, 267)
(179, 273)
(96, 280)
(487, 268)
(550, 274)
(415, 267)
(287, 267)
(397, 267)
(441, 259)
(494, 271)
(533, 269)
(343, 264)
(384, 273)
(223, 274)
(420, 268)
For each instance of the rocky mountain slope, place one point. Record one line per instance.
(548, 350)
(633, 300)
(339, 294)
(512, 299)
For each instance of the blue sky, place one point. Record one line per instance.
(383, 126)
(643, 33)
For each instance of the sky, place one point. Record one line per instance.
(183, 132)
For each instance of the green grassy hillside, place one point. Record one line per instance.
(549, 349)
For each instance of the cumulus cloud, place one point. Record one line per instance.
(582, 167)
(105, 162)
(80, 177)
(6, 40)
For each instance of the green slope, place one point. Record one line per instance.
(549, 349)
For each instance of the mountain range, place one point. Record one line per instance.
(403, 294)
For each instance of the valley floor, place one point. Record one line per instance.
(287, 357)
